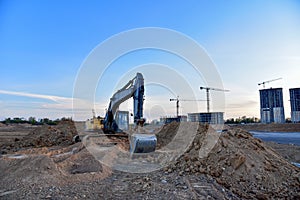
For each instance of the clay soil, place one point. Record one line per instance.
(42, 162)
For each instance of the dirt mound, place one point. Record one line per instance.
(166, 134)
(241, 163)
(76, 161)
(45, 136)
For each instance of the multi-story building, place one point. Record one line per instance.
(271, 106)
(295, 104)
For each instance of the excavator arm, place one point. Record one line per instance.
(134, 88)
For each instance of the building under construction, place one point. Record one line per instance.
(271, 106)
(207, 118)
(295, 104)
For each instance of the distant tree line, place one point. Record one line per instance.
(242, 120)
(33, 121)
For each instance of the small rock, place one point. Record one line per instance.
(146, 185)
(186, 158)
(164, 181)
(201, 170)
(238, 160)
(198, 163)
(258, 177)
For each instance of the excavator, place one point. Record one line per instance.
(139, 142)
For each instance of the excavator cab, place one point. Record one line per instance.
(122, 119)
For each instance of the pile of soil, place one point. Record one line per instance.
(44, 136)
(166, 134)
(242, 164)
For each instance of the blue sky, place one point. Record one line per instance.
(43, 44)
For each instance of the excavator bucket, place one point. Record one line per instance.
(142, 143)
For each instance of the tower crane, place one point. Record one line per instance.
(207, 93)
(177, 103)
(263, 83)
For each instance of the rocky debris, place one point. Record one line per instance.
(242, 164)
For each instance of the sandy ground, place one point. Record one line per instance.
(43, 163)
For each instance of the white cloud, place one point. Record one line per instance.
(39, 96)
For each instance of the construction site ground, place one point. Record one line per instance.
(42, 162)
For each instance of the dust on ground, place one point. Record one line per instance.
(44, 163)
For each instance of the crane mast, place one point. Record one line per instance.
(207, 94)
(177, 103)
